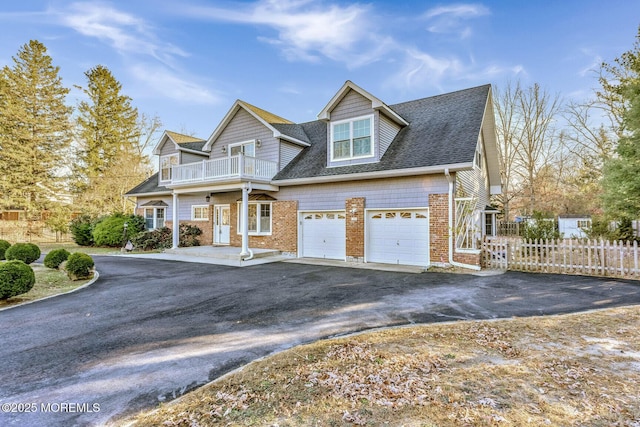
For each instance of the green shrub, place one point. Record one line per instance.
(78, 266)
(154, 239)
(25, 252)
(56, 257)
(111, 231)
(16, 278)
(189, 235)
(4, 245)
(82, 230)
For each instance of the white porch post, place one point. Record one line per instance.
(246, 189)
(175, 239)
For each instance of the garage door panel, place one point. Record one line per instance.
(398, 236)
(323, 235)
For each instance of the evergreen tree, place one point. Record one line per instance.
(621, 181)
(35, 130)
(108, 134)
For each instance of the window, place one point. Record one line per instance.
(200, 213)
(246, 148)
(154, 218)
(166, 162)
(488, 224)
(259, 218)
(352, 139)
(584, 223)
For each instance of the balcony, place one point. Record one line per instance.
(222, 169)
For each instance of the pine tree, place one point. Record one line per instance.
(108, 133)
(621, 181)
(35, 130)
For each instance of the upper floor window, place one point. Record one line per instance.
(166, 162)
(352, 139)
(246, 148)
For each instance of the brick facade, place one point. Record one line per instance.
(439, 228)
(284, 228)
(355, 228)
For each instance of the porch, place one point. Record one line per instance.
(222, 255)
(234, 167)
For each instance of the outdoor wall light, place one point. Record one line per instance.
(258, 143)
(208, 198)
(224, 148)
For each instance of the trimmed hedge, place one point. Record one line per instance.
(25, 252)
(16, 278)
(56, 257)
(78, 266)
(4, 245)
(82, 230)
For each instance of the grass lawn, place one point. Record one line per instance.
(569, 370)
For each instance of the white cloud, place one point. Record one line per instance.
(451, 18)
(126, 33)
(308, 31)
(168, 84)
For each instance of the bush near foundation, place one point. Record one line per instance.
(16, 278)
(153, 239)
(79, 266)
(4, 245)
(111, 230)
(55, 258)
(25, 252)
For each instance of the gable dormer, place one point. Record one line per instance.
(175, 149)
(360, 127)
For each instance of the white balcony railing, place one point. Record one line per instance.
(224, 168)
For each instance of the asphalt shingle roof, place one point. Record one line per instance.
(149, 185)
(442, 130)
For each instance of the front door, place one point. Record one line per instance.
(221, 224)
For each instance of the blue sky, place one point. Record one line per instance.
(188, 61)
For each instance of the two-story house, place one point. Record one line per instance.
(405, 184)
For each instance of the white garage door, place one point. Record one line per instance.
(323, 235)
(398, 236)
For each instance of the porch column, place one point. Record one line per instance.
(246, 189)
(175, 239)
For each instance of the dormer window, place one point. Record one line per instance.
(166, 162)
(352, 139)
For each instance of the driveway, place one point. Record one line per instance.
(150, 330)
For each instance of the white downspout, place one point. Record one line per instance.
(246, 254)
(451, 229)
(175, 236)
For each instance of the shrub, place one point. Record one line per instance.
(25, 252)
(111, 231)
(16, 278)
(82, 230)
(4, 245)
(78, 266)
(154, 239)
(189, 235)
(56, 257)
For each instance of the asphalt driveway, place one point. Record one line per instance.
(150, 330)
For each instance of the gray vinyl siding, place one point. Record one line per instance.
(185, 202)
(244, 127)
(287, 153)
(402, 192)
(387, 132)
(351, 106)
(168, 148)
(191, 158)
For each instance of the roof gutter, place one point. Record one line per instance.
(373, 175)
(451, 229)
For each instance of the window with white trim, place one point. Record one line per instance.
(246, 148)
(166, 162)
(352, 139)
(154, 218)
(200, 212)
(259, 218)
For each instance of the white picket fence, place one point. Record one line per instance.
(566, 256)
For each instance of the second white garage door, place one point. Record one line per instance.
(398, 236)
(323, 235)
